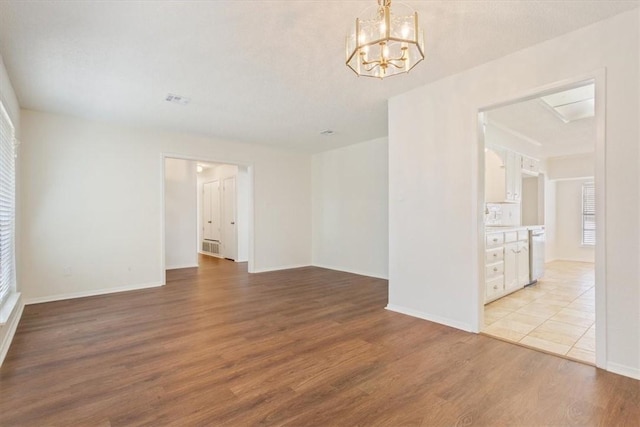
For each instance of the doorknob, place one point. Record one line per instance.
(209, 222)
(233, 223)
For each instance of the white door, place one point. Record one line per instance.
(229, 233)
(523, 263)
(211, 210)
(510, 266)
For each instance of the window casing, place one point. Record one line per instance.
(7, 206)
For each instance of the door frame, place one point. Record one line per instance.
(234, 205)
(251, 197)
(598, 77)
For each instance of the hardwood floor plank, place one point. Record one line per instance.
(308, 346)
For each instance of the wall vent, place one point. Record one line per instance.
(177, 99)
(211, 247)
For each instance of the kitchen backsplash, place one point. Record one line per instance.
(502, 214)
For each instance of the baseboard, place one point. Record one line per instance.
(210, 254)
(284, 267)
(431, 318)
(573, 260)
(627, 371)
(91, 293)
(348, 270)
(176, 267)
(11, 330)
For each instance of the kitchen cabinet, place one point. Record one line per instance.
(516, 265)
(530, 166)
(506, 262)
(494, 265)
(513, 171)
(503, 176)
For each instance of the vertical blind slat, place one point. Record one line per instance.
(588, 214)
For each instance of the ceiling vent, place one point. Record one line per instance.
(177, 99)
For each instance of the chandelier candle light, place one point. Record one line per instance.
(386, 43)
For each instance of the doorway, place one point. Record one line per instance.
(207, 211)
(223, 201)
(541, 267)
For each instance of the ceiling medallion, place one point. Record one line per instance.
(385, 43)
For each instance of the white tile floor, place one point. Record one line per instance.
(556, 315)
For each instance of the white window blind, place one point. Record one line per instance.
(588, 214)
(7, 205)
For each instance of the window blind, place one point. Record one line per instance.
(588, 214)
(7, 205)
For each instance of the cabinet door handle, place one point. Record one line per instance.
(495, 286)
(495, 268)
(495, 239)
(495, 255)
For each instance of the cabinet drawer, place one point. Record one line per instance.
(511, 236)
(523, 235)
(494, 255)
(495, 239)
(494, 270)
(494, 286)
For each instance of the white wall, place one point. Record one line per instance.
(575, 166)
(180, 214)
(10, 103)
(568, 174)
(433, 175)
(350, 208)
(568, 243)
(530, 201)
(498, 137)
(92, 203)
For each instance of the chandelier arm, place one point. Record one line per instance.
(375, 64)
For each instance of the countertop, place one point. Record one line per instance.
(505, 228)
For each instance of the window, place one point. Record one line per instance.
(588, 214)
(7, 205)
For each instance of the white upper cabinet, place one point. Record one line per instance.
(503, 176)
(530, 166)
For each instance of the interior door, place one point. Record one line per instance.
(229, 233)
(211, 211)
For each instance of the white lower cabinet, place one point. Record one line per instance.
(510, 266)
(506, 266)
(523, 263)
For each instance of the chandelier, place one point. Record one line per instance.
(385, 43)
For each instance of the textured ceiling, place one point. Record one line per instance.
(547, 135)
(269, 72)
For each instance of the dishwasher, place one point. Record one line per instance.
(536, 255)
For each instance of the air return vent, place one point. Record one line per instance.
(177, 99)
(211, 247)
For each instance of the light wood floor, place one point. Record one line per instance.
(302, 347)
(556, 315)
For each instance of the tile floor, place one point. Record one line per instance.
(556, 315)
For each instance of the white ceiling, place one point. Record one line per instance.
(268, 72)
(545, 134)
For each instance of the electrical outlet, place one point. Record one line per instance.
(66, 271)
